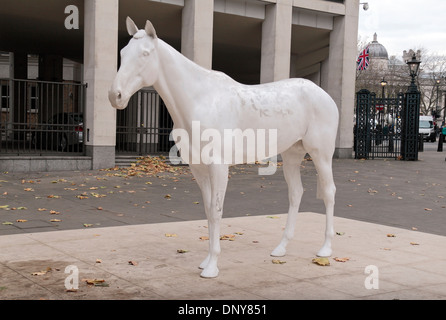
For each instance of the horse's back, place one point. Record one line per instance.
(296, 98)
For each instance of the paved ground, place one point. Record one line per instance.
(395, 193)
(141, 262)
(101, 220)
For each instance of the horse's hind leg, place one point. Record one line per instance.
(326, 190)
(292, 158)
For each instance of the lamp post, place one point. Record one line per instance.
(437, 103)
(381, 109)
(414, 66)
(411, 115)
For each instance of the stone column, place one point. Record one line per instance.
(100, 65)
(197, 31)
(340, 70)
(276, 41)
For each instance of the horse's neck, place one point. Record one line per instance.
(179, 81)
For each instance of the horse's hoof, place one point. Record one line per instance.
(278, 252)
(324, 252)
(209, 273)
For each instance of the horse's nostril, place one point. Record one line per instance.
(118, 95)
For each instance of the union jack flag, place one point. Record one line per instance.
(363, 59)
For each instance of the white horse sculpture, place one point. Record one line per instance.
(305, 117)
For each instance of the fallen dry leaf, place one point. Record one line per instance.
(133, 263)
(391, 235)
(55, 220)
(170, 235)
(182, 251)
(345, 259)
(321, 261)
(230, 237)
(414, 243)
(42, 272)
(204, 238)
(96, 282)
(21, 220)
(277, 261)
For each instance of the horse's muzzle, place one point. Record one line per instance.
(116, 99)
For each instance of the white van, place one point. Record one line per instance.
(427, 128)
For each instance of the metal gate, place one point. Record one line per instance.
(144, 126)
(386, 127)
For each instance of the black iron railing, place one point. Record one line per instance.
(144, 126)
(41, 117)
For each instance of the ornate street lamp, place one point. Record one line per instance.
(414, 65)
(410, 138)
(383, 84)
(381, 108)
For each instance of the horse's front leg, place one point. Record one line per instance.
(213, 180)
(218, 176)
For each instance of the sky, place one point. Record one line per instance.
(405, 24)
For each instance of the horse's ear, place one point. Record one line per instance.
(131, 26)
(150, 30)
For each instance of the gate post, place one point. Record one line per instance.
(362, 133)
(411, 118)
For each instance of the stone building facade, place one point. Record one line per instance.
(253, 41)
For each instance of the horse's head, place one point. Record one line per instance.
(139, 64)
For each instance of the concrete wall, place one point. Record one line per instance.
(43, 163)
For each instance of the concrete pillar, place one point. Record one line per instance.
(197, 31)
(340, 71)
(276, 41)
(100, 65)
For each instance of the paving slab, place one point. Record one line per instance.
(142, 262)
